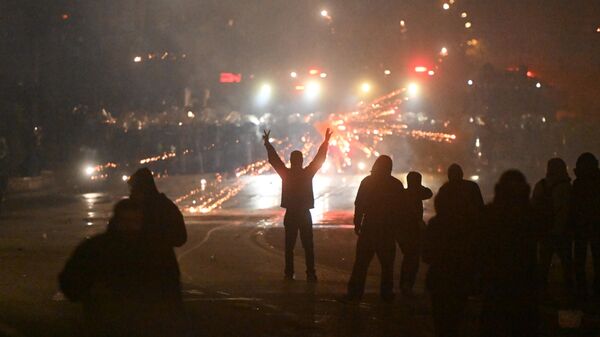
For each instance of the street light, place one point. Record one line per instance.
(264, 93)
(137, 59)
(324, 13)
(444, 51)
(468, 25)
(413, 89)
(365, 87)
(446, 6)
(293, 74)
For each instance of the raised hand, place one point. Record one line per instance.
(328, 134)
(266, 136)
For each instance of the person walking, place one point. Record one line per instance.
(298, 199)
(376, 217)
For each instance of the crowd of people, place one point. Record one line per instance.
(128, 277)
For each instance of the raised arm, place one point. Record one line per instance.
(319, 159)
(274, 159)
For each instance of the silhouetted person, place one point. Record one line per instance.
(119, 283)
(376, 217)
(163, 227)
(551, 201)
(586, 220)
(509, 260)
(448, 248)
(298, 199)
(409, 233)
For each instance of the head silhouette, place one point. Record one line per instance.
(382, 166)
(587, 164)
(455, 172)
(556, 169)
(128, 217)
(512, 189)
(141, 184)
(296, 159)
(414, 179)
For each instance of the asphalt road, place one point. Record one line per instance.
(232, 266)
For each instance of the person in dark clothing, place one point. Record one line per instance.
(410, 230)
(123, 290)
(448, 248)
(585, 208)
(508, 253)
(298, 199)
(376, 215)
(551, 200)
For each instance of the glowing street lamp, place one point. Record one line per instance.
(365, 87)
(413, 89)
(293, 74)
(446, 6)
(324, 13)
(468, 25)
(444, 51)
(470, 82)
(387, 72)
(137, 59)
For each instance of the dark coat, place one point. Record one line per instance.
(379, 205)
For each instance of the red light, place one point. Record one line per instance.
(65, 16)
(313, 71)
(230, 78)
(530, 74)
(420, 69)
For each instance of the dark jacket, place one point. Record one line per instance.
(379, 205)
(551, 200)
(508, 251)
(124, 291)
(297, 188)
(414, 207)
(585, 203)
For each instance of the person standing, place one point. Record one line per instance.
(376, 218)
(551, 200)
(449, 247)
(298, 199)
(586, 220)
(410, 230)
(508, 254)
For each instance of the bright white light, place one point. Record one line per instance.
(477, 142)
(543, 119)
(125, 177)
(180, 123)
(326, 166)
(444, 51)
(475, 177)
(324, 13)
(293, 74)
(362, 166)
(137, 59)
(89, 170)
(312, 89)
(470, 82)
(365, 87)
(538, 85)
(402, 23)
(413, 89)
(264, 93)
(190, 114)
(431, 73)
(463, 15)
(468, 25)
(387, 72)
(323, 75)
(446, 6)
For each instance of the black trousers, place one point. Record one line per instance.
(409, 244)
(448, 309)
(298, 221)
(561, 246)
(581, 248)
(368, 246)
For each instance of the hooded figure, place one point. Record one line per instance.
(409, 232)
(448, 248)
(121, 287)
(508, 252)
(376, 217)
(298, 199)
(585, 218)
(551, 201)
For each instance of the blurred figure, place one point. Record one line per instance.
(4, 165)
(551, 201)
(586, 220)
(375, 222)
(509, 259)
(163, 228)
(298, 199)
(448, 248)
(410, 230)
(120, 285)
